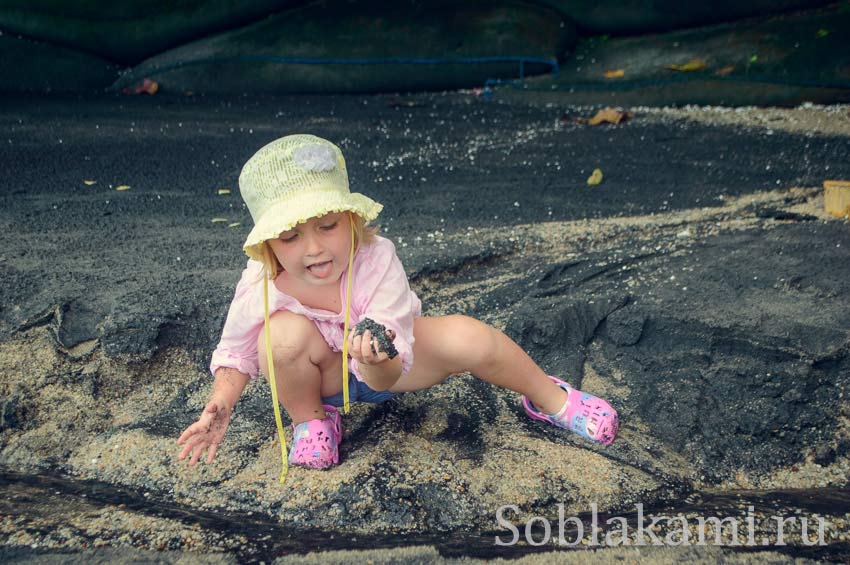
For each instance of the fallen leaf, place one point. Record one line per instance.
(609, 115)
(147, 86)
(690, 66)
(234, 224)
(727, 70)
(89, 182)
(218, 220)
(595, 178)
(224, 191)
(122, 187)
(615, 73)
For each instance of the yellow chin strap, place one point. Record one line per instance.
(273, 382)
(346, 406)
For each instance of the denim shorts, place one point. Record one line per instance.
(358, 391)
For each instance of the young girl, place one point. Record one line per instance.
(323, 270)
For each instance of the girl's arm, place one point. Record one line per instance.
(228, 386)
(208, 432)
(387, 300)
(377, 369)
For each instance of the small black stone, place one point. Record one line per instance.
(379, 331)
(824, 455)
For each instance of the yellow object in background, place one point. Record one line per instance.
(595, 178)
(836, 197)
(690, 66)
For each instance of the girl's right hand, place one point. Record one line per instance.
(206, 433)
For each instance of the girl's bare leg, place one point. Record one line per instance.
(305, 367)
(446, 345)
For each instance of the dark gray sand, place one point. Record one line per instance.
(700, 288)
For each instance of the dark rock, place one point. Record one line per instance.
(719, 358)
(824, 455)
(772, 214)
(76, 322)
(379, 332)
(127, 31)
(248, 59)
(642, 16)
(34, 66)
(780, 60)
(13, 412)
(624, 326)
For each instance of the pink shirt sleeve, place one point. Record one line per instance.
(384, 295)
(238, 345)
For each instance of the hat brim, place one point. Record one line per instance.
(286, 214)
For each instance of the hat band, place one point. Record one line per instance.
(299, 197)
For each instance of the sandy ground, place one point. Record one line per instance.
(68, 351)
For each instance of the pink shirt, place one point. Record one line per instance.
(379, 291)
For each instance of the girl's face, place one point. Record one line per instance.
(316, 251)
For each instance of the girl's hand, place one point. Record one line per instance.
(206, 433)
(367, 349)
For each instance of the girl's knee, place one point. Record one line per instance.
(292, 336)
(468, 343)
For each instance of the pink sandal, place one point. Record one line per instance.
(587, 415)
(315, 443)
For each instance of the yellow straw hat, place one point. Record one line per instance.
(293, 179)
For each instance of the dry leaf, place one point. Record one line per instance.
(595, 178)
(122, 187)
(218, 220)
(234, 224)
(609, 115)
(615, 73)
(89, 182)
(727, 70)
(147, 86)
(692, 65)
(224, 191)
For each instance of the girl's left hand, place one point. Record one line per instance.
(367, 349)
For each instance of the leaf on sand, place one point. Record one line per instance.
(122, 187)
(610, 116)
(224, 191)
(89, 182)
(218, 220)
(690, 66)
(147, 86)
(614, 73)
(595, 178)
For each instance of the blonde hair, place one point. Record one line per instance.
(363, 233)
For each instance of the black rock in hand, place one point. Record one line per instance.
(384, 336)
